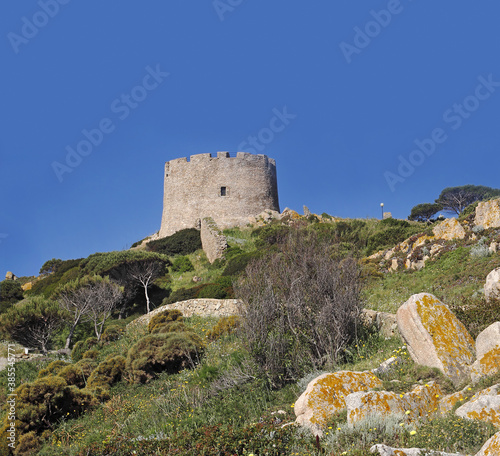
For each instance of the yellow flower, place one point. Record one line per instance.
(413, 432)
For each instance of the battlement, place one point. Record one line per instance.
(200, 158)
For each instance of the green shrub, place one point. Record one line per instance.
(477, 314)
(167, 316)
(238, 263)
(108, 372)
(388, 237)
(169, 352)
(48, 285)
(182, 264)
(81, 347)
(10, 293)
(112, 333)
(183, 242)
(173, 326)
(226, 325)
(77, 373)
(182, 294)
(220, 289)
(93, 353)
(42, 404)
(215, 291)
(53, 368)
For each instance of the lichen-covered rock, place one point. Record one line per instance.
(326, 394)
(387, 366)
(447, 402)
(488, 214)
(381, 403)
(435, 337)
(488, 364)
(384, 322)
(491, 447)
(421, 402)
(488, 339)
(483, 408)
(449, 229)
(492, 285)
(384, 450)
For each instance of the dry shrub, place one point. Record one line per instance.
(300, 306)
(226, 325)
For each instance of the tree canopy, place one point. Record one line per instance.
(424, 212)
(456, 199)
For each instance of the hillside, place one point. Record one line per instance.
(205, 385)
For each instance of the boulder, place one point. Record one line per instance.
(387, 366)
(421, 402)
(384, 322)
(492, 285)
(384, 450)
(10, 276)
(449, 229)
(491, 447)
(484, 408)
(435, 337)
(493, 248)
(488, 339)
(447, 402)
(488, 214)
(488, 364)
(325, 395)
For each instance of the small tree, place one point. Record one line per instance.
(32, 323)
(105, 297)
(144, 272)
(10, 293)
(424, 212)
(50, 266)
(300, 307)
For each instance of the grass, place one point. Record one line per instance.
(453, 277)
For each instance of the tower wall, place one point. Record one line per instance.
(228, 189)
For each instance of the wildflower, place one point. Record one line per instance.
(413, 432)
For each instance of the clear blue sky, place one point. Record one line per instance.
(357, 82)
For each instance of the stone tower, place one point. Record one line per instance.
(228, 189)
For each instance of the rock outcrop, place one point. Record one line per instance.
(326, 395)
(492, 285)
(435, 337)
(449, 229)
(384, 450)
(491, 447)
(487, 353)
(488, 214)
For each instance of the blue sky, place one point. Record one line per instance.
(385, 101)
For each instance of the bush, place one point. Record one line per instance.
(81, 347)
(78, 373)
(164, 317)
(182, 264)
(157, 353)
(10, 293)
(107, 373)
(112, 333)
(300, 307)
(53, 368)
(42, 404)
(238, 263)
(183, 242)
(226, 325)
(90, 354)
(221, 289)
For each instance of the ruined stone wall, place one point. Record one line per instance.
(214, 243)
(228, 189)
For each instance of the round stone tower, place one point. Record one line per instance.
(228, 189)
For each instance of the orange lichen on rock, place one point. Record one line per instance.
(421, 402)
(489, 364)
(447, 402)
(491, 447)
(326, 395)
(483, 408)
(435, 337)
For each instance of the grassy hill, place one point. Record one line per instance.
(219, 401)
